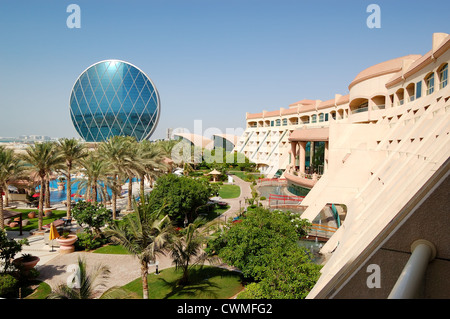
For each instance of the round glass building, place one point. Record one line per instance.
(112, 98)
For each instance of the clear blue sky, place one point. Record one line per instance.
(211, 60)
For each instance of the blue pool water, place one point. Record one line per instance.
(57, 196)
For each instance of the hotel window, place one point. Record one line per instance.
(272, 123)
(278, 122)
(284, 122)
(314, 118)
(443, 76)
(418, 89)
(321, 117)
(429, 81)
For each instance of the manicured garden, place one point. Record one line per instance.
(205, 283)
(228, 191)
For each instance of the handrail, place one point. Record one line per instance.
(336, 215)
(410, 281)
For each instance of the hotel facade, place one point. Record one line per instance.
(382, 151)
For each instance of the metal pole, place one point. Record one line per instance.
(409, 283)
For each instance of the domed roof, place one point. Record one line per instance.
(390, 66)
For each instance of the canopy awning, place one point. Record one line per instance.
(214, 172)
(310, 135)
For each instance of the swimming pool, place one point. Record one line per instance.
(57, 196)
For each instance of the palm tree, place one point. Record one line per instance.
(85, 283)
(133, 167)
(42, 159)
(72, 152)
(186, 250)
(97, 171)
(167, 147)
(153, 165)
(144, 234)
(116, 152)
(10, 167)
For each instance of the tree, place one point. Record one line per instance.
(151, 156)
(116, 152)
(10, 167)
(84, 284)
(9, 248)
(72, 151)
(94, 215)
(144, 233)
(96, 170)
(42, 159)
(186, 250)
(248, 245)
(289, 274)
(180, 196)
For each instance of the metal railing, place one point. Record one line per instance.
(411, 279)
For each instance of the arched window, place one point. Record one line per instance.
(429, 81)
(314, 118)
(321, 117)
(443, 76)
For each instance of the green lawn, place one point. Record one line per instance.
(112, 249)
(41, 292)
(56, 214)
(206, 283)
(229, 191)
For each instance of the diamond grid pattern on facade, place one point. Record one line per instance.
(114, 98)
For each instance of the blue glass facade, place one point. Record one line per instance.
(114, 98)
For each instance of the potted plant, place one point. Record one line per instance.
(26, 262)
(66, 243)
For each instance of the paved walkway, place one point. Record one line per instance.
(239, 202)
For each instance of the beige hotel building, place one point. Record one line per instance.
(382, 151)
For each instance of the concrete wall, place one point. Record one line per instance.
(393, 255)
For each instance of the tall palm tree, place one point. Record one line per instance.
(166, 150)
(10, 167)
(144, 234)
(96, 170)
(186, 250)
(42, 158)
(153, 165)
(72, 152)
(87, 281)
(116, 152)
(12, 171)
(133, 166)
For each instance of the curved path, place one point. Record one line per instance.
(239, 202)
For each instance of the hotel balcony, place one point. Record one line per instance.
(301, 179)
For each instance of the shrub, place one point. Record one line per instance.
(95, 216)
(8, 285)
(88, 241)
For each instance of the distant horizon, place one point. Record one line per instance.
(210, 60)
